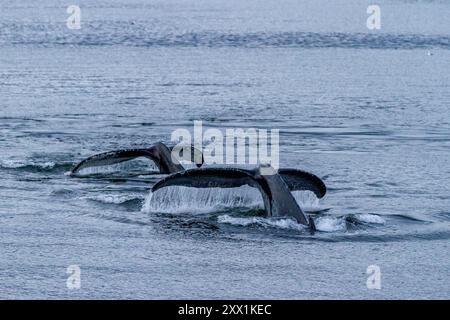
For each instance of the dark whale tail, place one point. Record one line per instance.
(159, 153)
(275, 189)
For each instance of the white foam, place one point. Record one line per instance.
(114, 198)
(330, 224)
(15, 164)
(284, 223)
(370, 218)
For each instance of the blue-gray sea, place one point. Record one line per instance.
(365, 110)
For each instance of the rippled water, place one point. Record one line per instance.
(366, 111)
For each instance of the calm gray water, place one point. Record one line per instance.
(368, 111)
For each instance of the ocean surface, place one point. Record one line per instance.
(365, 110)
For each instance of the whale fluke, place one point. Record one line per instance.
(208, 178)
(278, 200)
(299, 180)
(159, 153)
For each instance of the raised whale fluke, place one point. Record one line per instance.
(159, 153)
(275, 190)
(299, 180)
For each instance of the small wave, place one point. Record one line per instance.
(114, 198)
(411, 218)
(63, 192)
(123, 33)
(339, 223)
(263, 222)
(19, 164)
(370, 218)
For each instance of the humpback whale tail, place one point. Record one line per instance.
(159, 153)
(275, 189)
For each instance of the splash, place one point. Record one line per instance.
(191, 200)
(308, 201)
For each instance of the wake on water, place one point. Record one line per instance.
(236, 206)
(233, 204)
